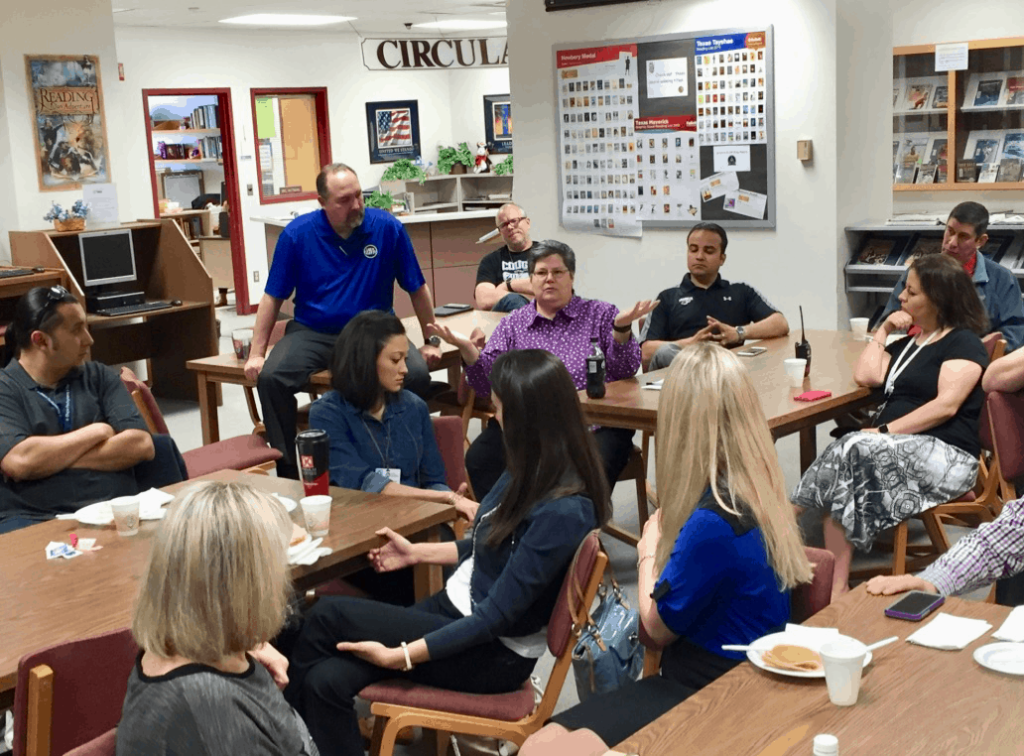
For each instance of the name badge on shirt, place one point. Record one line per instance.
(394, 473)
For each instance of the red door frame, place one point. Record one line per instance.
(227, 141)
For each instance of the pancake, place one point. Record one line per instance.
(792, 658)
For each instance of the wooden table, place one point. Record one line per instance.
(628, 405)
(226, 368)
(46, 602)
(913, 700)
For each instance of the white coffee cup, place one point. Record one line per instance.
(859, 326)
(316, 511)
(126, 514)
(795, 370)
(844, 663)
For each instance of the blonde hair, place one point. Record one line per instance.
(217, 581)
(712, 432)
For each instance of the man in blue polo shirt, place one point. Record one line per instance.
(338, 260)
(706, 307)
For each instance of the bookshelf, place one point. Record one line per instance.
(458, 193)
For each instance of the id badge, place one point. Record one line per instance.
(392, 473)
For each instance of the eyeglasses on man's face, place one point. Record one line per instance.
(512, 223)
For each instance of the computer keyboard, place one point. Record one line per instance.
(15, 272)
(132, 309)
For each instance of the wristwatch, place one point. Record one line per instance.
(883, 428)
(741, 333)
(434, 341)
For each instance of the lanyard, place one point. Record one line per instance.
(385, 456)
(63, 415)
(900, 365)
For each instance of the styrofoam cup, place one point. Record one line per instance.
(126, 514)
(241, 341)
(316, 511)
(859, 326)
(844, 664)
(795, 370)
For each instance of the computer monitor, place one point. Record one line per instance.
(107, 257)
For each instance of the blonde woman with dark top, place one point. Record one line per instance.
(214, 592)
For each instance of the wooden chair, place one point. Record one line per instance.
(397, 704)
(464, 403)
(302, 414)
(981, 504)
(104, 745)
(805, 601)
(71, 693)
(249, 452)
(636, 471)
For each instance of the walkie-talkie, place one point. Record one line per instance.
(803, 347)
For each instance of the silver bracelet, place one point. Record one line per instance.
(408, 659)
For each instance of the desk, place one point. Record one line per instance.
(628, 405)
(913, 700)
(46, 602)
(226, 368)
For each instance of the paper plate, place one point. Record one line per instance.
(289, 504)
(100, 513)
(768, 642)
(1007, 658)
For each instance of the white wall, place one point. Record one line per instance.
(76, 27)
(450, 102)
(794, 264)
(918, 22)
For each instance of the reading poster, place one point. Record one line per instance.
(667, 131)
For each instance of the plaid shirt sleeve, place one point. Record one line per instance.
(992, 552)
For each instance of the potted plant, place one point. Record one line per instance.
(381, 200)
(404, 170)
(68, 220)
(504, 168)
(454, 160)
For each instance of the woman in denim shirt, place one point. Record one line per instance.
(484, 632)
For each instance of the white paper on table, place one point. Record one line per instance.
(732, 158)
(745, 202)
(950, 633)
(811, 637)
(667, 77)
(654, 385)
(1012, 628)
(102, 201)
(718, 184)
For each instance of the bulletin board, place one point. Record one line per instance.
(667, 131)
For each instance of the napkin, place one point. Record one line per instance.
(1012, 628)
(950, 633)
(810, 637)
(307, 552)
(654, 385)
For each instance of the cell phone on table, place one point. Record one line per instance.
(451, 309)
(752, 351)
(915, 606)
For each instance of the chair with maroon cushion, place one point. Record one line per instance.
(238, 453)
(104, 745)
(397, 704)
(805, 601)
(71, 693)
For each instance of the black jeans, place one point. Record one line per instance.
(324, 681)
(485, 458)
(286, 372)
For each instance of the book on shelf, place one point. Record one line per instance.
(895, 95)
(988, 92)
(877, 251)
(937, 153)
(1015, 90)
(906, 172)
(918, 95)
(966, 171)
(1013, 145)
(926, 174)
(988, 173)
(941, 98)
(923, 245)
(1009, 171)
(985, 151)
(942, 172)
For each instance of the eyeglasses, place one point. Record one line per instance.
(558, 273)
(512, 223)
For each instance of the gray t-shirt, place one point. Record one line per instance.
(196, 710)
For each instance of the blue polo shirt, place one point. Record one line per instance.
(333, 278)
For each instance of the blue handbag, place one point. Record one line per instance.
(608, 650)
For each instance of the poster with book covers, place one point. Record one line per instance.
(666, 131)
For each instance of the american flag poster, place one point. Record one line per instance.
(393, 130)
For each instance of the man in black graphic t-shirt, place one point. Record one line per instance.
(502, 280)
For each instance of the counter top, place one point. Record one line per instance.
(406, 219)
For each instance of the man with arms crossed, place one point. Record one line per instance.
(502, 280)
(998, 288)
(705, 306)
(338, 260)
(69, 432)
